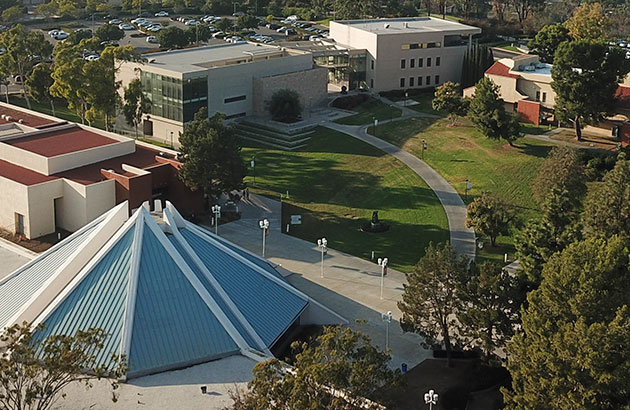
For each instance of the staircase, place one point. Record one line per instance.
(282, 137)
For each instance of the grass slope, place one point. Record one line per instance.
(370, 110)
(336, 182)
(461, 152)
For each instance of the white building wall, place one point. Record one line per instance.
(41, 208)
(14, 198)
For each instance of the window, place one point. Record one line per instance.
(371, 83)
(402, 63)
(437, 79)
(413, 46)
(428, 61)
(544, 99)
(412, 63)
(537, 95)
(428, 80)
(372, 64)
(420, 62)
(411, 81)
(402, 83)
(234, 99)
(437, 61)
(419, 81)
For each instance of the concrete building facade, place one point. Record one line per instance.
(407, 53)
(60, 175)
(178, 83)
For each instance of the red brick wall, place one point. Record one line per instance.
(135, 189)
(529, 111)
(624, 134)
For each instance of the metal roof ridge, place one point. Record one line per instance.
(194, 281)
(215, 284)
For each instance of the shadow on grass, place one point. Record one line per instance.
(534, 150)
(399, 132)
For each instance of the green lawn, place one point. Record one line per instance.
(336, 182)
(370, 110)
(511, 48)
(527, 128)
(459, 153)
(61, 110)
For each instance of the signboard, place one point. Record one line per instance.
(296, 219)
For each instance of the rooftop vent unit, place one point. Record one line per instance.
(530, 68)
(386, 26)
(8, 118)
(540, 65)
(405, 25)
(520, 67)
(21, 121)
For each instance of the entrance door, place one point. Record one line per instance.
(19, 224)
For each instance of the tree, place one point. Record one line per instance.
(23, 47)
(490, 216)
(573, 350)
(524, 7)
(198, 33)
(607, 205)
(547, 41)
(78, 35)
(488, 113)
(429, 301)
(562, 170)
(172, 37)
(109, 32)
(5, 4)
(500, 7)
(448, 99)
(285, 105)
(490, 306)
(539, 240)
(34, 372)
(340, 359)
(13, 14)
(247, 21)
(225, 25)
(589, 22)
(39, 82)
(585, 77)
(477, 59)
(135, 104)
(210, 155)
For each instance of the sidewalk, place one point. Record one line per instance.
(350, 287)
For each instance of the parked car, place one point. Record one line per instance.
(91, 57)
(313, 38)
(126, 26)
(53, 32)
(152, 39)
(192, 23)
(18, 78)
(282, 29)
(138, 20)
(238, 14)
(218, 34)
(115, 21)
(290, 32)
(272, 26)
(161, 14)
(60, 35)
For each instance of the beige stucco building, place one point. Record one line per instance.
(60, 175)
(407, 53)
(233, 79)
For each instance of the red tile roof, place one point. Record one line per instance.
(90, 174)
(59, 142)
(22, 175)
(500, 69)
(29, 120)
(623, 97)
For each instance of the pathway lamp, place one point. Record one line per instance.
(383, 264)
(430, 398)
(424, 147)
(387, 318)
(264, 226)
(322, 244)
(216, 210)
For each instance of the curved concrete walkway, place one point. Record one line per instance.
(462, 238)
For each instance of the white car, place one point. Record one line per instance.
(138, 20)
(91, 57)
(218, 34)
(126, 26)
(115, 21)
(154, 29)
(53, 32)
(152, 39)
(282, 29)
(192, 23)
(161, 14)
(60, 35)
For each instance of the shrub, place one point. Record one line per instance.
(285, 106)
(350, 101)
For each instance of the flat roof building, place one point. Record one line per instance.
(59, 175)
(234, 79)
(407, 53)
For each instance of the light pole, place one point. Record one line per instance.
(322, 244)
(172, 146)
(430, 398)
(387, 318)
(468, 186)
(216, 210)
(264, 226)
(253, 164)
(383, 264)
(424, 147)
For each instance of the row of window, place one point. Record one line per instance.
(412, 62)
(412, 81)
(234, 99)
(544, 96)
(415, 46)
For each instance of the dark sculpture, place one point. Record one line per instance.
(375, 217)
(375, 225)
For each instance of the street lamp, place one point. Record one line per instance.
(387, 318)
(323, 246)
(424, 147)
(468, 186)
(264, 226)
(253, 163)
(383, 264)
(216, 210)
(430, 398)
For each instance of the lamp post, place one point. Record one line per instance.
(264, 226)
(387, 318)
(468, 186)
(172, 146)
(216, 210)
(383, 264)
(323, 246)
(253, 164)
(424, 147)
(430, 398)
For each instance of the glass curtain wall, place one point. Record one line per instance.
(173, 98)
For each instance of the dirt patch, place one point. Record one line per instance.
(588, 140)
(38, 245)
